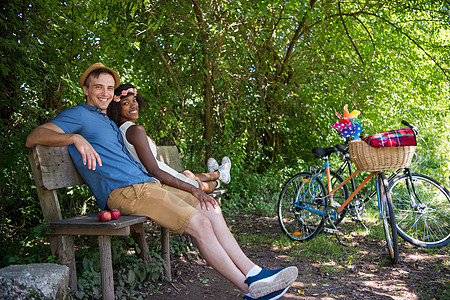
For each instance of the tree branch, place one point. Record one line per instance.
(97, 45)
(348, 34)
(412, 40)
(295, 39)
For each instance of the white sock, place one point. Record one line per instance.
(254, 271)
(249, 296)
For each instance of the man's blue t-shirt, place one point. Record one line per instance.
(118, 168)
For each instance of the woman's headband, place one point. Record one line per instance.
(124, 93)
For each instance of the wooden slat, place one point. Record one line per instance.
(48, 199)
(170, 156)
(91, 221)
(138, 235)
(165, 251)
(92, 231)
(55, 168)
(218, 192)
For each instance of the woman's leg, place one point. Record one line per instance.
(207, 181)
(203, 177)
(208, 187)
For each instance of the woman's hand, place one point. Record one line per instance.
(204, 199)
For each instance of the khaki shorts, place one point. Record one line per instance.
(168, 206)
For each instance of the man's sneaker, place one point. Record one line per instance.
(269, 281)
(224, 170)
(271, 296)
(212, 165)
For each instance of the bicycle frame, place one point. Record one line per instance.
(326, 167)
(410, 185)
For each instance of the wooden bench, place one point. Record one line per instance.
(53, 169)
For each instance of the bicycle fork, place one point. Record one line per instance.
(412, 196)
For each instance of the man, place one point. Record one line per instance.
(117, 181)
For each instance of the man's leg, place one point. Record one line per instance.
(201, 229)
(259, 282)
(179, 211)
(226, 238)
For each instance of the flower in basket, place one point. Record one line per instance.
(349, 124)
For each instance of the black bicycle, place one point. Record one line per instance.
(421, 203)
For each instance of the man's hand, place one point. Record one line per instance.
(204, 199)
(88, 153)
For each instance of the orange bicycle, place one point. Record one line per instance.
(306, 205)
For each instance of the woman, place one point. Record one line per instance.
(124, 110)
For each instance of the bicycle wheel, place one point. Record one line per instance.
(301, 207)
(388, 217)
(423, 217)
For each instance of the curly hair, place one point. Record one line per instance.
(115, 108)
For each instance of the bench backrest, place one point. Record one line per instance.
(171, 156)
(53, 169)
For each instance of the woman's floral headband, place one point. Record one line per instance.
(124, 93)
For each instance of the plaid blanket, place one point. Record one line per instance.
(392, 138)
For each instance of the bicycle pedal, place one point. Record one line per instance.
(330, 230)
(358, 221)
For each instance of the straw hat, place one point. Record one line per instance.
(97, 66)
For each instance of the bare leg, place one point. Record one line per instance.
(208, 187)
(218, 246)
(208, 176)
(207, 181)
(204, 177)
(227, 239)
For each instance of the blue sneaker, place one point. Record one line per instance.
(269, 281)
(271, 296)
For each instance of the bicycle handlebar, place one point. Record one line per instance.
(344, 149)
(412, 127)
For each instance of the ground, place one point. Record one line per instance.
(420, 274)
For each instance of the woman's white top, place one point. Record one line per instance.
(123, 129)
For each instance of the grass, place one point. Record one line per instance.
(329, 254)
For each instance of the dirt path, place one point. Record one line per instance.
(419, 274)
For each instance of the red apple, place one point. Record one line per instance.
(115, 214)
(104, 216)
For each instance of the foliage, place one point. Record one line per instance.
(133, 278)
(256, 80)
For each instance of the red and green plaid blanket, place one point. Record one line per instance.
(392, 138)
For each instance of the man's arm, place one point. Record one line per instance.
(49, 134)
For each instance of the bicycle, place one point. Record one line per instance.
(305, 204)
(421, 203)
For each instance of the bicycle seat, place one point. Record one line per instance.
(322, 152)
(342, 148)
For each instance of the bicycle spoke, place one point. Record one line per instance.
(423, 218)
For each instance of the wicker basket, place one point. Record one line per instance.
(367, 158)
